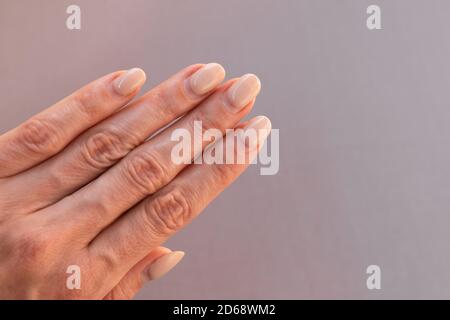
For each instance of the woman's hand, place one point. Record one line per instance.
(82, 185)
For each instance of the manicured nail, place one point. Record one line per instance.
(207, 78)
(261, 126)
(164, 264)
(130, 81)
(243, 91)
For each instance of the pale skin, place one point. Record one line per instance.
(87, 182)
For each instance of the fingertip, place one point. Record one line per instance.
(130, 82)
(164, 264)
(206, 78)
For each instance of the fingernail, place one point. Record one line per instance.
(262, 126)
(164, 264)
(243, 91)
(130, 81)
(207, 78)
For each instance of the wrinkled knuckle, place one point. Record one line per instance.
(84, 100)
(168, 212)
(108, 259)
(39, 136)
(223, 174)
(103, 149)
(89, 99)
(165, 101)
(145, 172)
(160, 98)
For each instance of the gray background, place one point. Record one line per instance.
(364, 122)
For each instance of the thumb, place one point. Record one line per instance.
(155, 265)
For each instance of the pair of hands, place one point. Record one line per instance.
(89, 182)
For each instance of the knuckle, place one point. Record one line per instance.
(223, 174)
(89, 99)
(84, 100)
(164, 100)
(160, 99)
(108, 259)
(145, 172)
(39, 136)
(103, 149)
(168, 212)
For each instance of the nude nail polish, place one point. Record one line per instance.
(127, 83)
(262, 126)
(243, 91)
(207, 78)
(163, 265)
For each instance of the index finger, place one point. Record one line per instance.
(48, 132)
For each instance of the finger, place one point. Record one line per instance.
(154, 266)
(105, 144)
(50, 131)
(159, 216)
(150, 166)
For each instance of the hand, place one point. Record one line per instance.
(81, 184)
